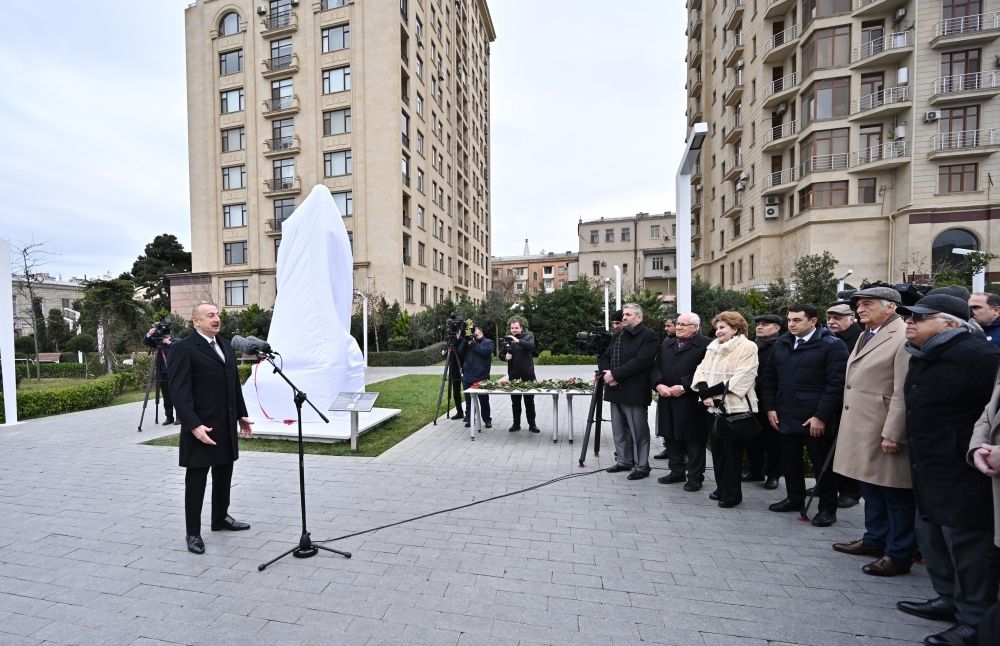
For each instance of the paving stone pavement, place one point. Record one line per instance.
(92, 549)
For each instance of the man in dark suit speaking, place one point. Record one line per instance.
(208, 401)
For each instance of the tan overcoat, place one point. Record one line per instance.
(987, 431)
(874, 408)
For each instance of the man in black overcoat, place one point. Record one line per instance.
(843, 322)
(949, 383)
(766, 443)
(681, 419)
(208, 401)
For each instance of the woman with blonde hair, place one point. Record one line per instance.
(725, 381)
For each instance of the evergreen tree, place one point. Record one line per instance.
(164, 255)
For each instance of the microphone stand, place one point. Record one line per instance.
(306, 548)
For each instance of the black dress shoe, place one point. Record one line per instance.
(936, 609)
(752, 477)
(858, 548)
(786, 505)
(229, 523)
(467, 424)
(811, 491)
(671, 478)
(514, 429)
(726, 504)
(534, 429)
(692, 485)
(771, 483)
(618, 468)
(458, 415)
(845, 502)
(195, 544)
(662, 455)
(638, 474)
(824, 519)
(957, 635)
(177, 422)
(168, 421)
(714, 495)
(886, 566)
(489, 424)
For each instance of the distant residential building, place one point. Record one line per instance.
(529, 274)
(55, 293)
(643, 245)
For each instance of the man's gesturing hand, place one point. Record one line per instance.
(201, 432)
(245, 430)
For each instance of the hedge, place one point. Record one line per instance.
(423, 357)
(546, 358)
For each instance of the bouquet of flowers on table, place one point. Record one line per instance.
(519, 385)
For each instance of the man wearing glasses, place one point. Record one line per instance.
(948, 385)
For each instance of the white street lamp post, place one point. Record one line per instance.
(7, 335)
(695, 140)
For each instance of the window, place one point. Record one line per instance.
(237, 292)
(332, 4)
(232, 101)
(827, 99)
(283, 171)
(823, 194)
(941, 255)
(234, 177)
(283, 209)
(406, 249)
(421, 254)
(824, 150)
(404, 127)
(420, 180)
(597, 267)
(345, 202)
(233, 139)
(337, 122)
(236, 253)
(421, 217)
(230, 24)
(404, 165)
(420, 68)
(338, 163)
(231, 62)
(337, 80)
(626, 234)
(657, 263)
(751, 266)
(335, 38)
(234, 215)
(281, 52)
(812, 9)
(654, 231)
(959, 128)
(594, 234)
(827, 48)
(423, 293)
(609, 235)
(277, 244)
(420, 105)
(867, 190)
(420, 142)
(960, 70)
(624, 267)
(959, 178)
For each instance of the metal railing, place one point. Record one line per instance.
(889, 150)
(781, 131)
(736, 43)
(887, 96)
(889, 42)
(277, 20)
(274, 224)
(964, 139)
(282, 143)
(276, 63)
(730, 202)
(782, 84)
(279, 103)
(737, 84)
(835, 161)
(734, 121)
(782, 37)
(281, 183)
(780, 177)
(965, 82)
(967, 24)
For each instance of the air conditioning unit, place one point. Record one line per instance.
(900, 132)
(420, 42)
(772, 212)
(440, 76)
(261, 10)
(697, 187)
(772, 200)
(740, 186)
(745, 176)
(739, 64)
(902, 76)
(899, 15)
(932, 116)
(781, 109)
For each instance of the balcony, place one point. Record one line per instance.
(280, 65)
(733, 129)
(891, 154)
(875, 7)
(967, 30)
(877, 106)
(965, 87)
(697, 21)
(732, 205)
(734, 94)
(780, 137)
(781, 44)
(279, 186)
(733, 168)
(966, 143)
(274, 226)
(406, 179)
(887, 49)
(778, 8)
(696, 202)
(734, 51)
(279, 24)
(695, 232)
(695, 113)
(780, 181)
(734, 15)
(281, 146)
(281, 106)
(780, 90)
(823, 163)
(694, 56)
(695, 84)
(696, 173)
(694, 4)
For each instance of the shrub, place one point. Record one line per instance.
(92, 393)
(67, 370)
(245, 369)
(546, 358)
(81, 343)
(424, 357)
(400, 344)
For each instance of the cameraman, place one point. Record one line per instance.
(158, 338)
(453, 336)
(476, 352)
(517, 349)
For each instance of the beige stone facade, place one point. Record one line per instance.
(284, 95)
(54, 292)
(516, 276)
(868, 128)
(643, 245)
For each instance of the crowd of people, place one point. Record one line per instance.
(897, 405)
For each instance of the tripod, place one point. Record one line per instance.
(594, 418)
(446, 377)
(306, 547)
(150, 378)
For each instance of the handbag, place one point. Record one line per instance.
(737, 426)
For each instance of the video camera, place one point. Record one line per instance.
(161, 330)
(594, 341)
(909, 292)
(504, 346)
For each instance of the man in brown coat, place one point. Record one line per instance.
(871, 446)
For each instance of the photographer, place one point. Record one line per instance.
(453, 336)
(517, 349)
(476, 352)
(158, 337)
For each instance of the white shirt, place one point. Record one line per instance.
(214, 344)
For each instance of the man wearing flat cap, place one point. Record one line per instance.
(948, 385)
(476, 353)
(871, 446)
(841, 320)
(766, 444)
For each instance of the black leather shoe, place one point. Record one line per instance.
(771, 483)
(662, 455)
(886, 566)
(514, 429)
(824, 519)
(168, 421)
(467, 424)
(858, 548)
(752, 477)
(726, 504)
(671, 478)
(618, 468)
(957, 635)
(786, 505)
(229, 523)
(534, 429)
(714, 495)
(936, 609)
(692, 485)
(177, 422)
(458, 415)
(488, 423)
(845, 502)
(195, 544)
(638, 474)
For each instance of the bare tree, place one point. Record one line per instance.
(26, 268)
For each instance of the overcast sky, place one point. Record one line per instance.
(587, 121)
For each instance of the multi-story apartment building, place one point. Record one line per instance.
(386, 106)
(54, 292)
(864, 127)
(516, 276)
(643, 245)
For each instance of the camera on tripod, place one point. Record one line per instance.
(594, 341)
(504, 346)
(161, 330)
(452, 327)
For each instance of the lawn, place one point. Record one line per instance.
(415, 396)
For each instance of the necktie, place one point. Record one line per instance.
(797, 342)
(218, 350)
(868, 337)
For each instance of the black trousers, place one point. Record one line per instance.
(794, 468)
(686, 455)
(764, 450)
(455, 377)
(194, 495)
(168, 405)
(529, 407)
(727, 458)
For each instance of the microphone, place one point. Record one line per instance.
(250, 345)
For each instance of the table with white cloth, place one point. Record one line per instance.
(476, 425)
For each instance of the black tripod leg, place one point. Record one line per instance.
(595, 399)
(444, 384)
(149, 384)
(600, 418)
